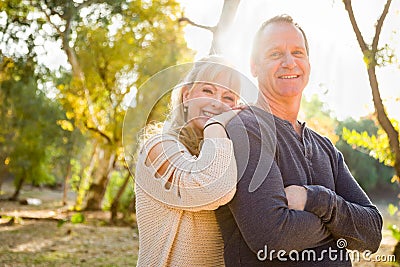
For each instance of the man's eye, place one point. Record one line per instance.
(229, 98)
(298, 52)
(275, 54)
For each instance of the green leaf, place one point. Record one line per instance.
(61, 222)
(77, 218)
(392, 209)
(395, 231)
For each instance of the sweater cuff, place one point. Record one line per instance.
(216, 144)
(320, 201)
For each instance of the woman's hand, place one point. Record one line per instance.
(296, 197)
(226, 116)
(215, 126)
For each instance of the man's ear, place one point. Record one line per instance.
(253, 67)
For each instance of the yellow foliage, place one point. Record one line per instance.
(65, 125)
(69, 114)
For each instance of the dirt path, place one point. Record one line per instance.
(28, 242)
(43, 243)
(47, 242)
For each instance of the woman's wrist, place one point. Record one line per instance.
(214, 128)
(213, 122)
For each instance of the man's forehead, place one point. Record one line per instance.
(282, 32)
(279, 28)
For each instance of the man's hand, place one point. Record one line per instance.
(296, 197)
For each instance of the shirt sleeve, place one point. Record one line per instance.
(198, 183)
(347, 213)
(260, 207)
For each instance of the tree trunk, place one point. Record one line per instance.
(98, 187)
(396, 252)
(17, 189)
(384, 121)
(226, 18)
(225, 21)
(2, 175)
(84, 179)
(67, 178)
(370, 58)
(115, 203)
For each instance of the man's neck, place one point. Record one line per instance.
(286, 110)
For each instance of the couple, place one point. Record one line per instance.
(229, 185)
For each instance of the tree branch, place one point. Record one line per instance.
(96, 130)
(379, 25)
(47, 16)
(209, 28)
(360, 39)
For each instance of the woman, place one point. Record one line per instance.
(188, 171)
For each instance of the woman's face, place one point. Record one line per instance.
(205, 100)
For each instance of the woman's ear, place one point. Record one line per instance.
(185, 93)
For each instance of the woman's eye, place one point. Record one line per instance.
(229, 98)
(207, 90)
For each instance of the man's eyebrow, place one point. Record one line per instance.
(301, 48)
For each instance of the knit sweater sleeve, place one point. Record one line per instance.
(189, 183)
(347, 213)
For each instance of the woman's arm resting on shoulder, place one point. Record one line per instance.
(186, 182)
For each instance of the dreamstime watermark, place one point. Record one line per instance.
(331, 254)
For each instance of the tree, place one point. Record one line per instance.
(105, 67)
(373, 58)
(30, 134)
(368, 169)
(112, 47)
(225, 21)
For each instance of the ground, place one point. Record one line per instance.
(49, 242)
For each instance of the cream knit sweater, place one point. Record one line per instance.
(176, 221)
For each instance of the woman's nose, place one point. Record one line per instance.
(217, 101)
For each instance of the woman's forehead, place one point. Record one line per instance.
(216, 86)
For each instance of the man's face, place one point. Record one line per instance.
(281, 64)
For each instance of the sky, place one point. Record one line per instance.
(338, 73)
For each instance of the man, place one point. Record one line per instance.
(296, 202)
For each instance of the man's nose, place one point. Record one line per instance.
(288, 61)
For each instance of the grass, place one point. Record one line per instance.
(30, 242)
(43, 243)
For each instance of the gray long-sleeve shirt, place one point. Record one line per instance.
(257, 223)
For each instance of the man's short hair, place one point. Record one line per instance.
(280, 18)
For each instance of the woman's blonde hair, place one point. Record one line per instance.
(205, 70)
